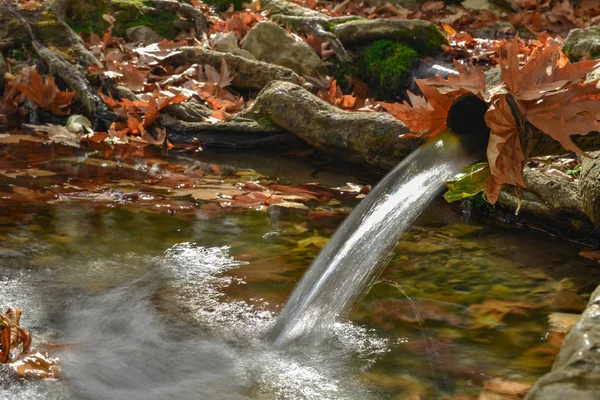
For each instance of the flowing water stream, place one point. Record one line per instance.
(176, 298)
(358, 250)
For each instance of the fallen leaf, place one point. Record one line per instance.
(511, 388)
(45, 93)
(504, 152)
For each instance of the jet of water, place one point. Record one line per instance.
(356, 254)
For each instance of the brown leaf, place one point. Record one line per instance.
(573, 111)
(132, 78)
(46, 94)
(511, 388)
(504, 151)
(469, 77)
(542, 74)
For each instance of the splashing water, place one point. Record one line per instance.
(346, 267)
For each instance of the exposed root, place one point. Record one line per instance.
(372, 139)
(246, 73)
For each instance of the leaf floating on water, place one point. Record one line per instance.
(510, 388)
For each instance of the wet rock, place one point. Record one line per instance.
(143, 34)
(583, 43)
(269, 42)
(576, 371)
(421, 35)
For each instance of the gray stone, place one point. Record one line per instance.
(143, 34)
(583, 43)
(485, 5)
(225, 42)
(243, 53)
(421, 35)
(284, 7)
(271, 43)
(576, 371)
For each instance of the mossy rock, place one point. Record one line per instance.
(50, 29)
(422, 36)
(384, 66)
(583, 44)
(87, 17)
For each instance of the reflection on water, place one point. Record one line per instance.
(152, 316)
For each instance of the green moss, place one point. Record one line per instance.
(387, 64)
(347, 69)
(51, 30)
(434, 44)
(329, 26)
(223, 5)
(265, 121)
(84, 17)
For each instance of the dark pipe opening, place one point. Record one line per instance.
(465, 118)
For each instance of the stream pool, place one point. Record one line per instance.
(145, 288)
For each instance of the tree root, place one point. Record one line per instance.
(246, 73)
(372, 139)
(239, 133)
(72, 74)
(317, 27)
(72, 38)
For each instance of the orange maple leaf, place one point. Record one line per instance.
(46, 94)
(426, 117)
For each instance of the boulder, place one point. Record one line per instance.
(576, 371)
(269, 42)
(420, 35)
(228, 43)
(225, 42)
(583, 43)
(143, 34)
